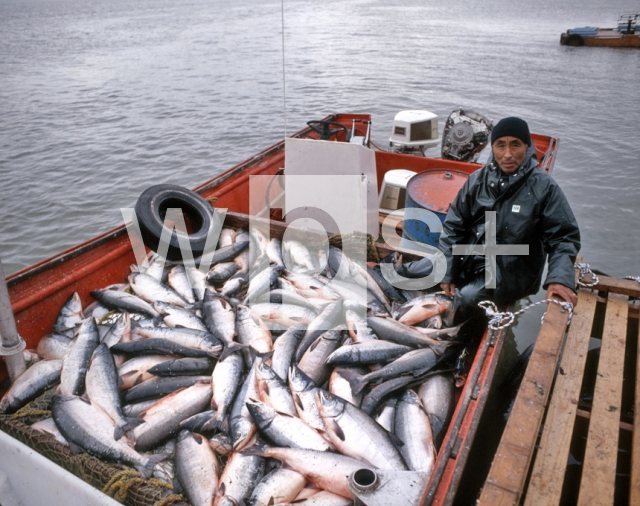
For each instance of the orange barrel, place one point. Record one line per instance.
(433, 190)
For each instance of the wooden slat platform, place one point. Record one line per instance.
(530, 468)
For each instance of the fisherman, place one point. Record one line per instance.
(530, 210)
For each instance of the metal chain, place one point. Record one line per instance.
(634, 278)
(584, 270)
(500, 320)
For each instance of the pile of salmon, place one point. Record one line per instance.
(250, 390)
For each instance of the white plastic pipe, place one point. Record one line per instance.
(11, 344)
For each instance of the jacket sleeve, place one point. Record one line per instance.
(561, 238)
(455, 231)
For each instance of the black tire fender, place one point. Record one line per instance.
(152, 206)
(575, 40)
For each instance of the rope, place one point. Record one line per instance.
(633, 278)
(119, 485)
(500, 320)
(170, 499)
(584, 270)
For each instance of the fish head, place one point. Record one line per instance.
(409, 396)
(265, 372)
(299, 381)
(328, 404)
(262, 413)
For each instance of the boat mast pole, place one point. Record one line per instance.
(11, 344)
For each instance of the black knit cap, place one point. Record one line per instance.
(511, 127)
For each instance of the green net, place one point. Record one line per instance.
(121, 482)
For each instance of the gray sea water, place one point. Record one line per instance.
(99, 100)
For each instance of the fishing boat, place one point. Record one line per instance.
(38, 292)
(625, 34)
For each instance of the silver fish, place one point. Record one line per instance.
(358, 328)
(222, 272)
(387, 413)
(324, 321)
(414, 362)
(89, 427)
(285, 430)
(124, 301)
(76, 360)
(241, 424)
(413, 427)
(49, 426)
(220, 319)
(356, 434)
(157, 387)
(227, 237)
(196, 467)
(150, 289)
(252, 332)
(421, 308)
(309, 286)
(136, 369)
(400, 333)
(284, 348)
(198, 281)
(286, 314)
(175, 316)
(274, 252)
(233, 286)
(221, 444)
(279, 486)
(163, 418)
(340, 386)
(225, 381)
(324, 498)
(181, 283)
(53, 346)
(437, 396)
(367, 353)
(191, 338)
(327, 470)
(102, 390)
(261, 282)
(300, 256)
(303, 390)
(274, 391)
(30, 384)
(136, 409)
(70, 316)
(239, 478)
(314, 362)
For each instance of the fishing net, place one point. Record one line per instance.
(351, 244)
(121, 482)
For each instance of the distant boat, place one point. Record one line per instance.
(624, 35)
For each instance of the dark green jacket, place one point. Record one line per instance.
(532, 210)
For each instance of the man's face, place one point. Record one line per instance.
(509, 152)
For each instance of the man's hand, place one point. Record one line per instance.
(563, 292)
(449, 289)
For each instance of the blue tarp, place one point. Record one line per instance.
(584, 31)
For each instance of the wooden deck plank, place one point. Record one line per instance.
(511, 462)
(549, 468)
(628, 287)
(599, 464)
(634, 486)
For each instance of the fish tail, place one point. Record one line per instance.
(129, 423)
(218, 421)
(231, 348)
(258, 449)
(356, 381)
(146, 469)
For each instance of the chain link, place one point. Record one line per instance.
(633, 278)
(498, 320)
(584, 270)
